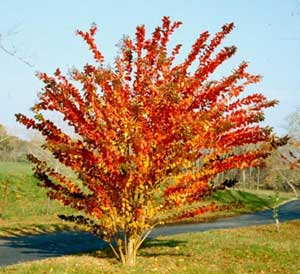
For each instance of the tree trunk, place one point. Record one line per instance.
(5, 198)
(48, 206)
(258, 177)
(244, 178)
(250, 178)
(277, 223)
(130, 256)
(128, 247)
(293, 188)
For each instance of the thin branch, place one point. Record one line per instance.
(14, 54)
(145, 236)
(125, 242)
(114, 251)
(5, 138)
(121, 254)
(288, 181)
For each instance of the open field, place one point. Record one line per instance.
(25, 209)
(20, 196)
(258, 249)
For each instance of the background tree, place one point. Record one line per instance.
(11, 147)
(285, 162)
(281, 164)
(12, 51)
(152, 133)
(293, 125)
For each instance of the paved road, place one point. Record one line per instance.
(26, 248)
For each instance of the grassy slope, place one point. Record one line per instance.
(26, 207)
(245, 250)
(25, 198)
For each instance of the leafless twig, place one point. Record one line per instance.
(14, 53)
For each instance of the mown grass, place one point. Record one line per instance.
(258, 249)
(26, 209)
(238, 201)
(24, 198)
(24, 206)
(15, 168)
(250, 200)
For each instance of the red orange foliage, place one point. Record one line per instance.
(142, 125)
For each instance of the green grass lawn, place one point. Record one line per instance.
(24, 198)
(258, 249)
(15, 168)
(27, 210)
(244, 201)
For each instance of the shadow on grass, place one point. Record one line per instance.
(253, 200)
(150, 248)
(35, 229)
(157, 247)
(247, 199)
(162, 243)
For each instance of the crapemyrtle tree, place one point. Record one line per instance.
(141, 125)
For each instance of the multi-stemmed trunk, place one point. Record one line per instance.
(131, 252)
(127, 248)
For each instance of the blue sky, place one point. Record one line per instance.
(267, 35)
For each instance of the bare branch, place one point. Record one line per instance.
(14, 54)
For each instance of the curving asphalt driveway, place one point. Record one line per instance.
(26, 248)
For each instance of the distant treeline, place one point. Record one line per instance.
(12, 149)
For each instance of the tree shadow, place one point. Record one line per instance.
(162, 243)
(242, 198)
(150, 248)
(155, 247)
(35, 247)
(256, 201)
